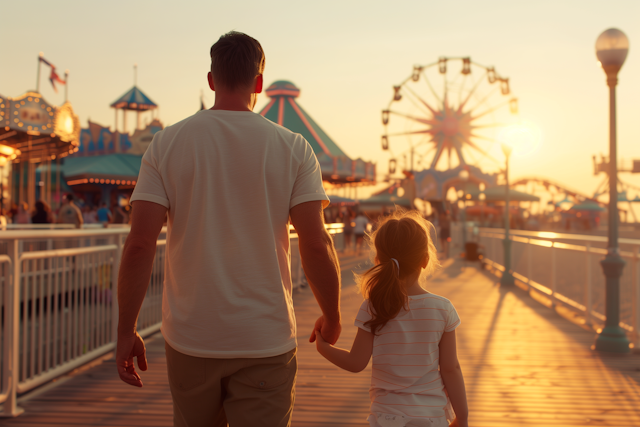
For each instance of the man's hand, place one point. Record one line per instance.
(330, 331)
(127, 348)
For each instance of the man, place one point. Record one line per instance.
(69, 213)
(229, 180)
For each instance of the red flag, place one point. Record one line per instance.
(54, 77)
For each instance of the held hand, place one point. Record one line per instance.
(457, 423)
(320, 342)
(330, 331)
(129, 347)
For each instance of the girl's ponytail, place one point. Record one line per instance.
(381, 284)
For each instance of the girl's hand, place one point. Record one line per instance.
(320, 342)
(456, 423)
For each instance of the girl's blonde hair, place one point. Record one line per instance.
(406, 237)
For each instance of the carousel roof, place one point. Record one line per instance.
(336, 166)
(135, 100)
(38, 130)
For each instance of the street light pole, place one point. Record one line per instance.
(507, 278)
(611, 49)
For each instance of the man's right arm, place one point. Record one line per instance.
(321, 266)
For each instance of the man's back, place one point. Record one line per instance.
(228, 179)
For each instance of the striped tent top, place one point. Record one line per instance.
(405, 378)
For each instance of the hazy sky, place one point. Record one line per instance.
(345, 56)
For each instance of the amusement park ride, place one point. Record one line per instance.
(448, 113)
(445, 120)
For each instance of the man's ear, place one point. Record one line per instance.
(210, 80)
(259, 83)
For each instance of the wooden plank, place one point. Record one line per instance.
(524, 365)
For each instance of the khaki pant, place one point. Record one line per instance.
(241, 392)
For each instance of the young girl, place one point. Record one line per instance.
(410, 332)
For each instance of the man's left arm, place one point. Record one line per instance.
(133, 279)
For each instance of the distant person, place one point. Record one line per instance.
(69, 213)
(410, 332)
(230, 181)
(119, 215)
(360, 229)
(347, 222)
(42, 214)
(445, 233)
(104, 214)
(22, 215)
(89, 215)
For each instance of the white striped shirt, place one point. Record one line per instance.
(405, 379)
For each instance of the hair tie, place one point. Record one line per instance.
(397, 265)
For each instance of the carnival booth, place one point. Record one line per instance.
(106, 164)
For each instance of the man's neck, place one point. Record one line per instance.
(232, 101)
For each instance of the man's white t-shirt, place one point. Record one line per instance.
(228, 179)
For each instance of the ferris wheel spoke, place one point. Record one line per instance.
(464, 81)
(491, 110)
(436, 157)
(415, 132)
(482, 101)
(458, 152)
(416, 119)
(473, 90)
(471, 144)
(433, 92)
(425, 103)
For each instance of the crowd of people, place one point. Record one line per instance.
(71, 211)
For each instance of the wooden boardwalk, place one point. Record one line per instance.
(524, 365)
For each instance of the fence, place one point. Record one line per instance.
(58, 291)
(59, 305)
(566, 269)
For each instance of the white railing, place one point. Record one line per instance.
(566, 269)
(58, 294)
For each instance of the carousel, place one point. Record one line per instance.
(36, 135)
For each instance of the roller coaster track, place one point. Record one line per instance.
(547, 183)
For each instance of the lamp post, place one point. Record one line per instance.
(462, 205)
(507, 277)
(612, 47)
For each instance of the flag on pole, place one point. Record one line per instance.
(53, 77)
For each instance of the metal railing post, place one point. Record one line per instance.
(11, 329)
(635, 284)
(588, 304)
(553, 275)
(529, 263)
(115, 269)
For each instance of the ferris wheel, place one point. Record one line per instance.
(447, 114)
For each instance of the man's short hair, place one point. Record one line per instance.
(236, 59)
(69, 197)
